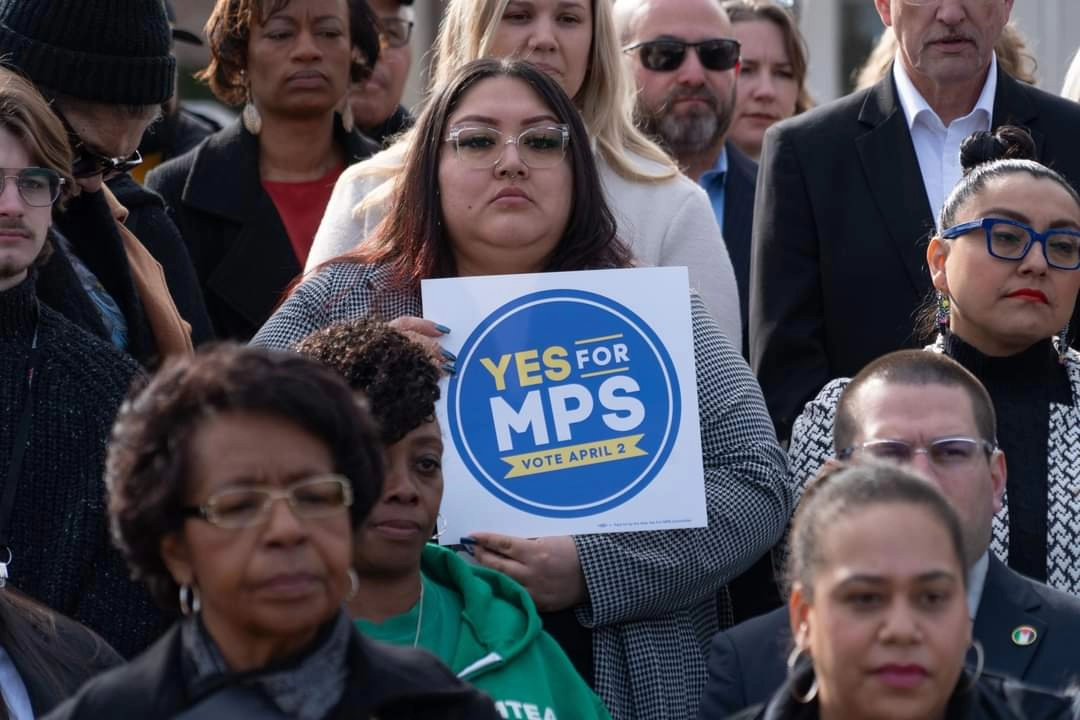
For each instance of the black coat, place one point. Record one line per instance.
(989, 697)
(88, 225)
(747, 662)
(237, 240)
(841, 225)
(394, 683)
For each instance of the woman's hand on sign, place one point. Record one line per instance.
(427, 334)
(549, 567)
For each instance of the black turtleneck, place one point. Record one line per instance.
(58, 531)
(1022, 387)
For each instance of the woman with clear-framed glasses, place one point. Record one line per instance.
(663, 216)
(518, 191)
(1006, 270)
(236, 480)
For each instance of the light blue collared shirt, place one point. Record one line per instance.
(714, 183)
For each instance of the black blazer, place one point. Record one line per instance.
(738, 220)
(394, 683)
(841, 225)
(237, 240)
(747, 662)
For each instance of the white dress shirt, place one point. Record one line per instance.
(976, 582)
(14, 690)
(936, 146)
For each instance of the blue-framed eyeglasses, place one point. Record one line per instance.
(1011, 240)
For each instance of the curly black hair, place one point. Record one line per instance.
(148, 469)
(396, 374)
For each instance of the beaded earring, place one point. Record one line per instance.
(942, 315)
(1063, 344)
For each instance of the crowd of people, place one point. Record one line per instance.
(198, 321)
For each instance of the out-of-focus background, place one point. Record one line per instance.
(839, 33)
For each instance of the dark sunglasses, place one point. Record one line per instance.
(667, 55)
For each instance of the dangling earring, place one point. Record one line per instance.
(354, 584)
(942, 316)
(347, 120)
(189, 600)
(440, 526)
(1063, 345)
(250, 116)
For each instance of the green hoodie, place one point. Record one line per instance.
(499, 645)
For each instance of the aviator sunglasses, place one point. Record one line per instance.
(667, 55)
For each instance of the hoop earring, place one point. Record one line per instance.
(439, 530)
(1063, 345)
(354, 584)
(190, 603)
(941, 316)
(810, 694)
(979, 659)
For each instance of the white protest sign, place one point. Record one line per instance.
(574, 407)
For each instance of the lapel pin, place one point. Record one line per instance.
(1024, 635)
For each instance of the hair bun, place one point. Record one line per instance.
(1008, 142)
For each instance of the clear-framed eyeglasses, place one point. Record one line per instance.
(395, 32)
(921, 3)
(947, 453)
(315, 497)
(483, 147)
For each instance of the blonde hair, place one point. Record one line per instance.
(1071, 88)
(605, 100)
(1011, 48)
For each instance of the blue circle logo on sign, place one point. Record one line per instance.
(564, 404)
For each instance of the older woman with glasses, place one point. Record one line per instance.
(236, 480)
(1005, 268)
(376, 101)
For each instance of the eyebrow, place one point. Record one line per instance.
(931, 576)
(493, 122)
(1020, 217)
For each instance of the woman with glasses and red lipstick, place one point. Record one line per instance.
(1005, 267)
(879, 613)
(249, 199)
(236, 480)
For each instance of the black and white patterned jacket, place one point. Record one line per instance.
(812, 445)
(652, 595)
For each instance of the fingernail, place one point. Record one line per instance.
(468, 544)
(449, 355)
(449, 368)
(442, 328)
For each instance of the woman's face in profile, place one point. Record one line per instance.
(888, 625)
(505, 184)
(282, 575)
(1000, 306)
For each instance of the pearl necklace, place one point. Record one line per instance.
(419, 615)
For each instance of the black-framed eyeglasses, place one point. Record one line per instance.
(668, 55)
(1011, 240)
(38, 187)
(395, 32)
(88, 162)
(946, 453)
(483, 147)
(312, 498)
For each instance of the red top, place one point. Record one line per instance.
(301, 206)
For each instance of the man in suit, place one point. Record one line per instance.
(1026, 629)
(849, 192)
(686, 102)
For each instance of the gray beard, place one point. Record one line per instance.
(688, 135)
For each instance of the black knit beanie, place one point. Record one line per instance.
(114, 52)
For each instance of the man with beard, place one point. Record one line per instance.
(685, 63)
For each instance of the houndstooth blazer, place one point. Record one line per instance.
(652, 595)
(812, 445)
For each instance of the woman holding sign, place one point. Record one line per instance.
(479, 622)
(518, 192)
(663, 217)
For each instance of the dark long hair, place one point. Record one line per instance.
(412, 239)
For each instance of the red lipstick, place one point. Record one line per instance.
(1031, 295)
